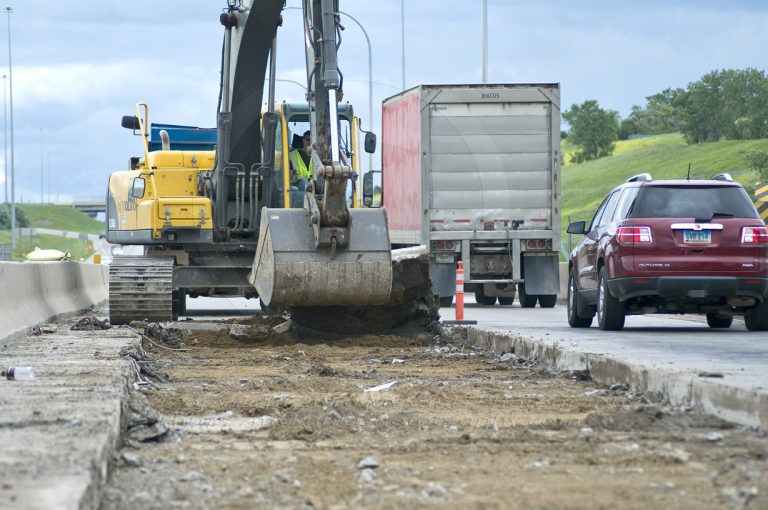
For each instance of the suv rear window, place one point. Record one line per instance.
(699, 202)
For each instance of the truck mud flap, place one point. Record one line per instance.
(289, 272)
(542, 274)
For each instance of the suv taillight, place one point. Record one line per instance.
(634, 235)
(754, 235)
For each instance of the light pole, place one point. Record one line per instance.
(402, 33)
(42, 169)
(48, 175)
(8, 11)
(370, 82)
(485, 41)
(284, 80)
(5, 136)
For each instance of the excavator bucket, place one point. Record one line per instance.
(288, 271)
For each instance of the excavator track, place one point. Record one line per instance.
(140, 288)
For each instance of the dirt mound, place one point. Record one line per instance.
(90, 323)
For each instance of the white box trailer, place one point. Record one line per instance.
(473, 173)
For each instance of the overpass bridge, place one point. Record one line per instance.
(90, 207)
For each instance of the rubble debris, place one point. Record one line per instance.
(168, 337)
(131, 459)
(248, 333)
(367, 475)
(90, 323)
(714, 437)
(381, 387)
(321, 370)
(191, 476)
(368, 462)
(283, 328)
(505, 358)
(49, 329)
(145, 425)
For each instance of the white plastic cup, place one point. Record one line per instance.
(19, 374)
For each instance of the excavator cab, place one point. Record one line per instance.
(290, 269)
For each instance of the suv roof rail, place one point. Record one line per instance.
(725, 176)
(640, 178)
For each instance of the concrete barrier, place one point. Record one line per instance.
(38, 292)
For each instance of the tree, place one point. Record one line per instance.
(725, 103)
(745, 104)
(702, 109)
(758, 162)
(5, 217)
(593, 130)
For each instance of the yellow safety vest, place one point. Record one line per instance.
(303, 170)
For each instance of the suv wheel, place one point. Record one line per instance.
(756, 317)
(573, 312)
(610, 311)
(717, 321)
(547, 300)
(526, 301)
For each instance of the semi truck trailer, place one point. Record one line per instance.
(473, 173)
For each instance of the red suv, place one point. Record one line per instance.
(691, 246)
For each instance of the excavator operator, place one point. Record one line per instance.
(301, 167)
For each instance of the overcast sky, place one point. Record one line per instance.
(78, 65)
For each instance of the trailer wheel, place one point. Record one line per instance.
(547, 300)
(526, 301)
(482, 299)
(446, 301)
(506, 301)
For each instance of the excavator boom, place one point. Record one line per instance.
(324, 254)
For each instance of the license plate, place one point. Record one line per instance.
(697, 236)
(444, 258)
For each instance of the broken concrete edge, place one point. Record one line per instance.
(66, 485)
(40, 292)
(743, 406)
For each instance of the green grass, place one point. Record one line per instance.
(61, 217)
(79, 250)
(665, 157)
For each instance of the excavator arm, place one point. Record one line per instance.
(324, 254)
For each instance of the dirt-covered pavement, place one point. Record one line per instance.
(238, 416)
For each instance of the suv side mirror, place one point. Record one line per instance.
(370, 142)
(131, 122)
(577, 227)
(138, 187)
(368, 189)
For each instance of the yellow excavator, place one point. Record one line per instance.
(216, 218)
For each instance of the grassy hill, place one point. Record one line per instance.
(61, 217)
(58, 217)
(664, 156)
(78, 249)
